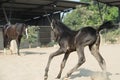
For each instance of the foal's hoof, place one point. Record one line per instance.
(64, 79)
(21, 55)
(58, 77)
(45, 77)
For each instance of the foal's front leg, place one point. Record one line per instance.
(81, 60)
(63, 63)
(58, 52)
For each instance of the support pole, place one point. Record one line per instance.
(6, 16)
(119, 13)
(119, 16)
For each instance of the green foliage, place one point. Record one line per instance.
(32, 34)
(89, 16)
(112, 36)
(52, 43)
(79, 17)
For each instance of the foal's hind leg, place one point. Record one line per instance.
(95, 52)
(81, 60)
(58, 52)
(63, 63)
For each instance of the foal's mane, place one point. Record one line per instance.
(64, 29)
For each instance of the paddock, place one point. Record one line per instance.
(31, 65)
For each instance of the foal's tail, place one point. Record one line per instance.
(106, 25)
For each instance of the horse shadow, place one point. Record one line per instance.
(31, 52)
(1, 52)
(89, 73)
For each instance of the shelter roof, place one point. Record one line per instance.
(26, 9)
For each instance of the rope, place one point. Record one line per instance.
(47, 16)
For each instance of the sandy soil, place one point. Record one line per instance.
(32, 64)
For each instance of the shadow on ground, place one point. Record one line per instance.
(88, 73)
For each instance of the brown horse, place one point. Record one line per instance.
(70, 41)
(13, 32)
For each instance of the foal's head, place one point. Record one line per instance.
(55, 25)
(60, 27)
(56, 28)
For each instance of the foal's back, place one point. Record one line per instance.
(86, 36)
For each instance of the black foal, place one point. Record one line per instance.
(70, 41)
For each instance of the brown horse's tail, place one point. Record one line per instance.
(106, 25)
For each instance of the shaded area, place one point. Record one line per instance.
(30, 52)
(1, 52)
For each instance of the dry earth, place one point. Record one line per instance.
(32, 64)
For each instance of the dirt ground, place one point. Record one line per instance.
(31, 65)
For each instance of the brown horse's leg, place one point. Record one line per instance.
(95, 52)
(63, 63)
(5, 43)
(18, 44)
(5, 47)
(58, 52)
(81, 60)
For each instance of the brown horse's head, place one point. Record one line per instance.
(22, 29)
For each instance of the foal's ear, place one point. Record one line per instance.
(53, 21)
